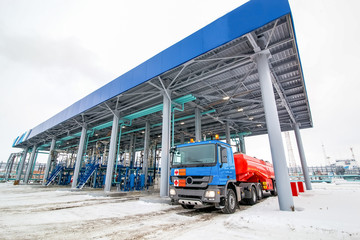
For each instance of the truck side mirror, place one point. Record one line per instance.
(224, 155)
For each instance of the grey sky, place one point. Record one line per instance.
(53, 53)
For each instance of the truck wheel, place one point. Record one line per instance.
(187, 206)
(260, 193)
(274, 192)
(230, 202)
(253, 198)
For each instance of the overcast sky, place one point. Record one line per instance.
(53, 53)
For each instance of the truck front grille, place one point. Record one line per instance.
(189, 197)
(194, 181)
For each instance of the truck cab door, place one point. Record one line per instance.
(226, 164)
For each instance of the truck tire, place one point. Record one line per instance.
(274, 192)
(187, 206)
(253, 196)
(230, 202)
(260, 193)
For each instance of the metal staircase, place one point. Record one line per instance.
(90, 169)
(53, 174)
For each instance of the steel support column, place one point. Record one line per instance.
(242, 144)
(146, 150)
(302, 157)
(227, 133)
(48, 163)
(197, 125)
(112, 152)
(9, 166)
(285, 198)
(182, 138)
(165, 146)
(21, 165)
(132, 150)
(79, 156)
(30, 165)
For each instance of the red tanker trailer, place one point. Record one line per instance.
(249, 169)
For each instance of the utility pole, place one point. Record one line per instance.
(327, 159)
(292, 163)
(352, 153)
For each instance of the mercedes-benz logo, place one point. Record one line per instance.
(189, 180)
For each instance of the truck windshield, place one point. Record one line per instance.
(197, 155)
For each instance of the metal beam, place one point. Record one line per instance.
(274, 133)
(242, 143)
(302, 157)
(79, 156)
(133, 150)
(197, 125)
(47, 168)
(112, 152)
(182, 137)
(30, 165)
(165, 145)
(21, 165)
(217, 72)
(284, 100)
(9, 165)
(146, 150)
(271, 34)
(227, 133)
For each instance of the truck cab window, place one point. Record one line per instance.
(224, 155)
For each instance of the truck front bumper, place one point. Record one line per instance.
(210, 195)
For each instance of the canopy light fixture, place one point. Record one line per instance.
(226, 98)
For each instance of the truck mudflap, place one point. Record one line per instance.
(197, 197)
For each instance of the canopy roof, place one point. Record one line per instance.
(212, 69)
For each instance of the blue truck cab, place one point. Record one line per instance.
(203, 173)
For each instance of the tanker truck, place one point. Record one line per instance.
(209, 173)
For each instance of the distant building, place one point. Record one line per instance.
(348, 164)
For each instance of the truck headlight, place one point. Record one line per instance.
(210, 194)
(172, 191)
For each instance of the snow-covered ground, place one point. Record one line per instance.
(330, 211)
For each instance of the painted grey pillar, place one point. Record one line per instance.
(9, 165)
(242, 144)
(132, 150)
(165, 146)
(21, 164)
(182, 138)
(79, 156)
(112, 152)
(227, 133)
(146, 150)
(48, 163)
(30, 165)
(197, 125)
(302, 157)
(285, 198)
